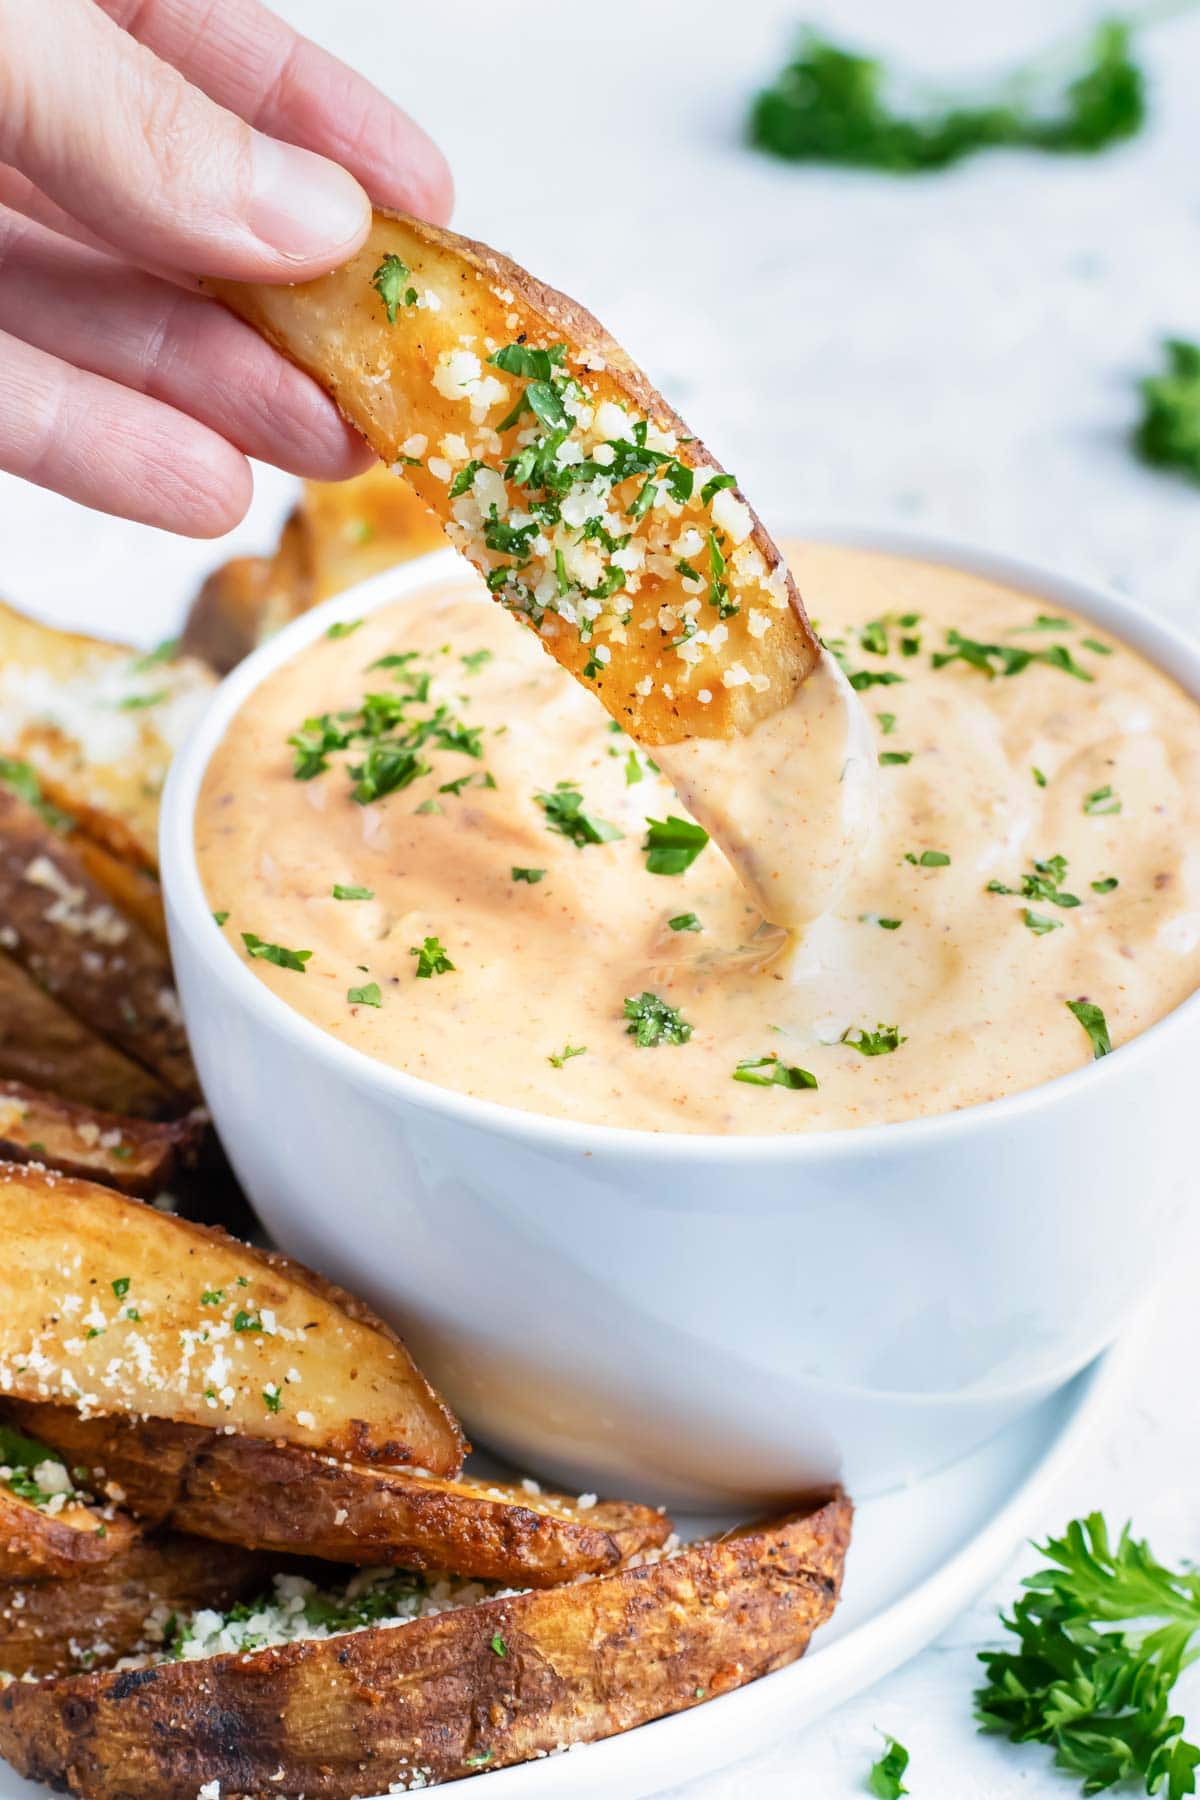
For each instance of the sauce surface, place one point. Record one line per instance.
(939, 972)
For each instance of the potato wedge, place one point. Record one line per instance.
(133, 890)
(553, 464)
(120, 1606)
(99, 723)
(341, 532)
(48, 1527)
(275, 1497)
(110, 1305)
(43, 1044)
(61, 927)
(476, 1688)
(134, 1156)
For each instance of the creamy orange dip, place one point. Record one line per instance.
(1036, 844)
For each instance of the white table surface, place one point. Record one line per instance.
(956, 352)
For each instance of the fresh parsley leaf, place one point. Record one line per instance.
(1097, 647)
(532, 876)
(1038, 776)
(1042, 882)
(862, 679)
(390, 282)
(164, 652)
(220, 917)
(884, 1780)
(136, 702)
(685, 922)
(498, 1646)
(121, 1286)
(557, 1059)
(431, 959)
(1094, 1023)
(672, 845)
(887, 723)
(1039, 924)
(768, 1071)
(521, 359)
(832, 105)
(890, 758)
(387, 769)
(880, 1042)
(634, 771)
(1102, 1632)
(272, 1399)
(878, 919)
(1101, 803)
(1004, 659)
(1168, 434)
(275, 953)
(342, 628)
(367, 995)
(474, 660)
(928, 859)
(565, 814)
(652, 1021)
(1105, 885)
(351, 893)
(22, 779)
(714, 486)
(247, 1321)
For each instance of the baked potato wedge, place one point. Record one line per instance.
(61, 927)
(487, 1684)
(135, 1156)
(556, 468)
(341, 532)
(276, 1497)
(41, 1043)
(48, 1527)
(98, 723)
(115, 1307)
(121, 1606)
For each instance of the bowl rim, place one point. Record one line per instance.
(1173, 652)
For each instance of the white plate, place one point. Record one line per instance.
(918, 1557)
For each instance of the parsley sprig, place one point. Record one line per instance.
(1168, 434)
(672, 844)
(652, 1021)
(1102, 1634)
(885, 1780)
(566, 814)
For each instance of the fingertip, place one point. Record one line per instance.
(304, 209)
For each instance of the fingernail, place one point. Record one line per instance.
(305, 207)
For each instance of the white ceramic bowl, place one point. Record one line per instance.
(699, 1319)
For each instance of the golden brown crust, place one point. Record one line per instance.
(57, 1627)
(385, 378)
(43, 1044)
(133, 890)
(135, 1156)
(36, 1544)
(476, 1689)
(64, 930)
(143, 1283)
(274, 1497)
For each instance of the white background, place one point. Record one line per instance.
(956, 352)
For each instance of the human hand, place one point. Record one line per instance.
(144, 143)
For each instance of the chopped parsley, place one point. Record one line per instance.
(1039, 923)
(341, 892)
(136, 702)
(672, 844)
(652, 1021)
(247, 1321)
(556, 1059)
(391, 283)
(685, 922)
(928, 859)
(836, 106)
(768, 1071)
(880, 1042)
(220, 917)
(1168, 434)
(1101, 803)
(1042, 882)
(498, 1646)
(1094, 1023)
(887, 723)
(431, 959)
(878, 919)
(565, 814)
(1038, 776)
(23, 781)
(890, 758)
(862, 679)
(532, 876)
(474, 660)
(1105, 885)
(885, 1778)
(163, 652)
(120, 1286)
(1005, 659)
(272, 1399)
(367, 995)
(342, 628)
(1098, 649)
(275, 953)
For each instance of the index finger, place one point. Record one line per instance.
(246, 59)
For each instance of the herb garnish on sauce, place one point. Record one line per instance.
(565, 814)
(884, 1780)
(275, 953)
(1094, 1023)
(768, 1071)
(880, 1042)
(431, 959)
(672, 844)
(652, 1021)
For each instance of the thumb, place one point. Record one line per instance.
(132, 150)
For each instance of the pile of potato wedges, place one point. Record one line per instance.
(238, 1552)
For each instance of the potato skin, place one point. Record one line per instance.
(380, 374)
(37, 1544)
(45, 1045)
(101, 1612)
(135, 1156)
(348, 1715)
(275, 1497)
